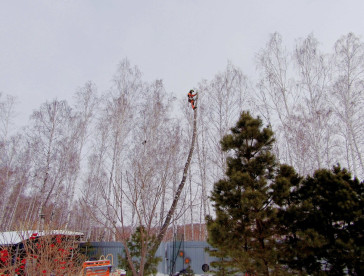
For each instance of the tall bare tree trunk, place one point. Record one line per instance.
(172, 209)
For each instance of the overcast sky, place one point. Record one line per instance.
(49, 48)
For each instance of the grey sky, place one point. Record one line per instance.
(49, 48)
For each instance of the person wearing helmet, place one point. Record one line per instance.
(192, 98)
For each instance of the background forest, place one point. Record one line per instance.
(113, 159)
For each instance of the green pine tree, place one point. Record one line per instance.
(224, 266)
(324, 224)
(271, 221)
(134, 245)
(244, 228)
(189, 271)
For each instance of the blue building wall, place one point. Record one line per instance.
(193, 250)
(96, 249)
(168, 251)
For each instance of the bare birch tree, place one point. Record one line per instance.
(276, 96)
(312, 120)
(103, 193)
(85, 105)
(14, 165)
(14, 178)
(54, 157)
(348, 94)
(6, 156)
(136, 158)
(297, 105)
(226, 96)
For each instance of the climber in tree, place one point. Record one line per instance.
(192, 98)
